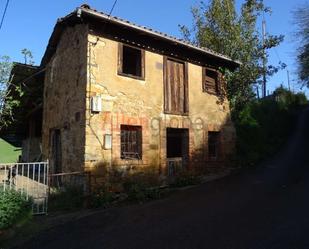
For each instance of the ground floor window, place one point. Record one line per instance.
(131, 142)
(213, 144)
(177, 143)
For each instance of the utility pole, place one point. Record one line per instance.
(288, 73)
(264, 59)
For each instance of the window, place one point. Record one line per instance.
(213, 144)
(210, 81)
(177, 142)
(131, 61)
(131, 142)
(175, 87)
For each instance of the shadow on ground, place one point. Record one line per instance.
(266, 207)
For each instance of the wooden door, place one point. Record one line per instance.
(56, 153)
(175, 87)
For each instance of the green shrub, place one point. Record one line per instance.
(14, 208)
(263, 126)
(184, 179)
(300, 99)
(66, 198)
(142, 186)
(141, 192)
(136, 191)
(101, 197)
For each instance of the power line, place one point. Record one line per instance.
(115, 2)
(4, 12)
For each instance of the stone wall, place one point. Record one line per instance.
(65, 98)
(85, 65)
(140, 102)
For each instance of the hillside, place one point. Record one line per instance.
(8, 153)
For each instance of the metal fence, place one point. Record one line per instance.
(30, 179)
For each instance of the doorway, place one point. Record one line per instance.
(56, 153)
(177, 149)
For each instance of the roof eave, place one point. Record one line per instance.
(80, 12)
(162, 36)
(54, 37)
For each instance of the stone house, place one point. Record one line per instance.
(25, 128)
(129, 96)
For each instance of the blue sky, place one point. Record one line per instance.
(29, 24)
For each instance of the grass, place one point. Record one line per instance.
(8, 153)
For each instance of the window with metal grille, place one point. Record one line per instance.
(131, 142)
(210, 81)
(213, 144)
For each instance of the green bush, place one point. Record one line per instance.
(101, 197)
(14, 208)
(141, 192)
(184, 179)
(66, 198)
(136, 191)
(289, 98)
(142, 186)
(263, 126)
(300, 99)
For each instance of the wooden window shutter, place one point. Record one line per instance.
(186, 93)
(143, 63)
(166, 86)
(131, 61)
(219, 84)
(175, 86)
(210, 81)
(120, 57)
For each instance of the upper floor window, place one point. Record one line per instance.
(175, 87)
(210, 81)
(131, 61)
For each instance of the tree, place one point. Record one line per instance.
(7, 101)
(301, 17)
(5, 110)
(27, 56)
(217, 26)
(10, 93)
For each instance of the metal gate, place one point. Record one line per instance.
(30, 179)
